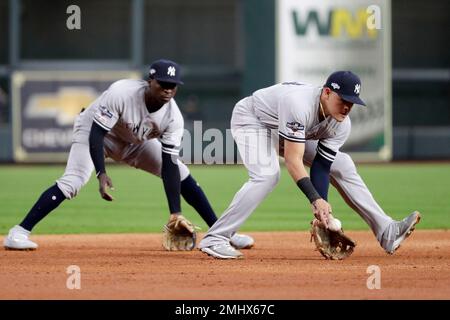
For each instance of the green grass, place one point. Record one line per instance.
(140, 204)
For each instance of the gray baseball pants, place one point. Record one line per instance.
(258, 147)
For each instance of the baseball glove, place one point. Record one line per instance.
(334, 245)
(179, 235)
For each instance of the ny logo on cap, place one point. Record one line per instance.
(171, 71)
(357, 88)
(335, 86)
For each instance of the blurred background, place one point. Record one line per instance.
(227, 50)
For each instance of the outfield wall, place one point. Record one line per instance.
(228, 49)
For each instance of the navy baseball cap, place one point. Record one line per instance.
(347, 85)
(165, 71)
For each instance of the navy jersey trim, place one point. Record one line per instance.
(102, 125)
(326, 152)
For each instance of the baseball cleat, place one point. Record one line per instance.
(222, 251)
(242, 241)
(398, 231)
(18, 239)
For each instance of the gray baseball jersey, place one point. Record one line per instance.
(134, 136)
(292, 108)
(121, 110)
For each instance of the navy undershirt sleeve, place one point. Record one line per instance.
(170, 175)
(320, 175)
(96, 137)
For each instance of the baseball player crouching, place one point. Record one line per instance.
(136, 122)
(307, 125)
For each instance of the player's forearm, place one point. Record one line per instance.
(296, 168)
(298, 172)
(170, 175)
(320, 175)
(96, 137)
(293, 157)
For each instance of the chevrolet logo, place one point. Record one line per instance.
(63, 105)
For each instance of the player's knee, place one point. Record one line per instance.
(276, 178)
(267, 181)
(271, 181)
(343, 165)
(184, 170)
(71, 185)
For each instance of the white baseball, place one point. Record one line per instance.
(334, 224)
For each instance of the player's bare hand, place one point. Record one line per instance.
(321, 210)
(104, 184)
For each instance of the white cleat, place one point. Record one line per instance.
(222, 251)
(242, 241)
(398, 231)
(18, 239)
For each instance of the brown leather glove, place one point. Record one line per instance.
(334, 245)
(179, 235)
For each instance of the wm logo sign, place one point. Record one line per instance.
(337, 23)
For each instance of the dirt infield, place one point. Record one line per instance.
(282, 265)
